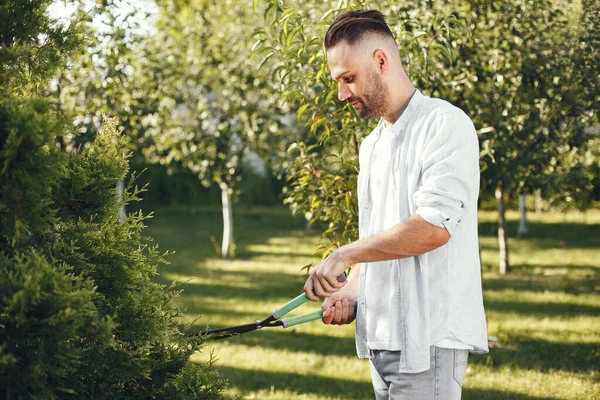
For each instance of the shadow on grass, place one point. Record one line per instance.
(550, 235)
(556, 269)
(339, 388)
(289, 339)
(542, 355)
(575, 284)
(487, 394)
(520, 352)
(542, 309)
(343, 389)
(257, 276)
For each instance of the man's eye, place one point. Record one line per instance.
(348, 80)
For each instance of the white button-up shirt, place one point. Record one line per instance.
(410, 304)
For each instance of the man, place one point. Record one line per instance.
(416, 280)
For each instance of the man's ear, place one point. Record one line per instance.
(381, 60)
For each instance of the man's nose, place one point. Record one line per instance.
(343, 92)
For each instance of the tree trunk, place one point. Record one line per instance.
(307, 217)
(120, 190)
(227, 221)
(502, 243)
(538, 201)
(523, 212)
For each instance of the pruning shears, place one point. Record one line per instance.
(273, 320)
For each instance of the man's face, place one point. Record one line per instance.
(359, 83)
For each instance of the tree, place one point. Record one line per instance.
(575, 172)
(80, 316)
(100, 79)
(522, 94)
(214, 106)
(323, 175)
(103, 76)
(507, 64)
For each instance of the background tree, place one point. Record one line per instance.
(80, 316)
(574, 176)
(323, 175)
(215, 109)
(522, 94)
(100, 79)
(509, 65)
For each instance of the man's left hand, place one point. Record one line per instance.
(323, 279)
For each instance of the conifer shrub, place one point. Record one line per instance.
(80, 315)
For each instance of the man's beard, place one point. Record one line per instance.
(375, 100)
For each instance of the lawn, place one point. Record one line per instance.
(546, 313)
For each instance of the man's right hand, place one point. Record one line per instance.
(339, 308)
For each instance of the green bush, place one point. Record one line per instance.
(79, 312)
(80, 315)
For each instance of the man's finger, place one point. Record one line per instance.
(324, 282)
(309, 288)
(338, 313)
(325, 307)
(345, 310)
(331, 313)
(318, 289)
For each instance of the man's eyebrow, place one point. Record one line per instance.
(340, 75)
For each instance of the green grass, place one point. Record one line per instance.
(546, 313)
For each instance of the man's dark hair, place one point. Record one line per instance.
(351, 26)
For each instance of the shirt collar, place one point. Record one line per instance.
(405, 117)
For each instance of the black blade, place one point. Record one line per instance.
(222, 333)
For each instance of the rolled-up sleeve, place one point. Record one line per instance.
(450, 171)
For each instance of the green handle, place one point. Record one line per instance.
(300, 319)
(289, 306)
(298, 301)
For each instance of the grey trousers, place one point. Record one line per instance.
(443, 380)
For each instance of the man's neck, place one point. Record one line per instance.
(391, 118)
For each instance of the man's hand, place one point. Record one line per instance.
(339, 308)
(322, 281)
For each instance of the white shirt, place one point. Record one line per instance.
(385, 336)
(427, 163)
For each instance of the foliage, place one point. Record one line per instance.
(575, 176)
(214, 112)
(102, 76)
(522, 91)
(184, 90)
(513, 67)
(80, 316)
(323, 176)
(32, 48)
(213, 108)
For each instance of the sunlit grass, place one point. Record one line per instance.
(546, 314)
